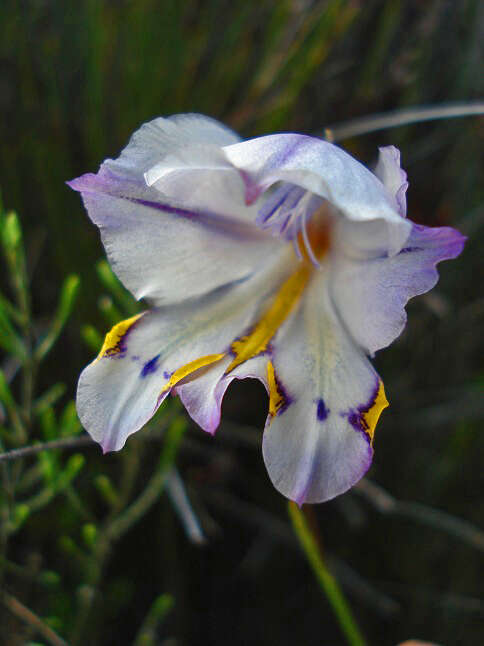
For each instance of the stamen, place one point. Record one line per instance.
(307, 242)
(299, 217)
(297, 250)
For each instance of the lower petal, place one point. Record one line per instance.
(319, 442)
(144, 358)
(203, 391)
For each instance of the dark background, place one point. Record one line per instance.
(76, 78)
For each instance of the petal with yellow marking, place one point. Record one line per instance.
(318, 445)
(149, 356)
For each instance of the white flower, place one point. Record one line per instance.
(280, 258)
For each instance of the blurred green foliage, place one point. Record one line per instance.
(37, 420)
(76, 78)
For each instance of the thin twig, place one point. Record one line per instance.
(178, 496)
(66, 443)
(17, 608)
(426, 594)
(387, 504)
(403, 117)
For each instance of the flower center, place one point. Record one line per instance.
(314, 238)
(308, 226)
(300, 217)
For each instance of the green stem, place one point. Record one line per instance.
(326, 580)
(17, 608)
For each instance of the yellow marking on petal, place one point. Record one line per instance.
(276, 398)
(371, 416)
(288, 295)
(113, 339)
(190, 367)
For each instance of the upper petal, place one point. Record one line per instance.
(160, 137)
(158, 249)
(201, 177)
(182, 158)
(321, 168)
(392, 175)
(318, 444)
(370, 295)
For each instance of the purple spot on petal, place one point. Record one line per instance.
(410, 249)
(322, 412)
(167, 375)
(150, 367)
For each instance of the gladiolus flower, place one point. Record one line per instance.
(280, 258)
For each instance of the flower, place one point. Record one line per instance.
(280, 258)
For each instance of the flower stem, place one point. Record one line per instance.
(326, 580)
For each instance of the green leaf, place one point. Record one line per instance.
(111, 282)
(49, 398)
(9, 339)
(11, 239)
(49, 578)
(13, 411)
(67, 299)
(69, 423)
(111, 313)
(156, 615)
(11, 232)
(89, 534)
(105, 487)
(91, 337)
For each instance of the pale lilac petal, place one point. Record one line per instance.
(181, 157)
(392, 175)
(160, 250)
(359, 240)
(203, 392)
(317, 446)
(201, 177)
(117, 395)
(370, 295)
(321, 168)
(162, 136)
(119, 392)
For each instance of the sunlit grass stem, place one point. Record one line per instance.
(326, 580)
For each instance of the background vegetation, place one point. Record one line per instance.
(181, 539)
